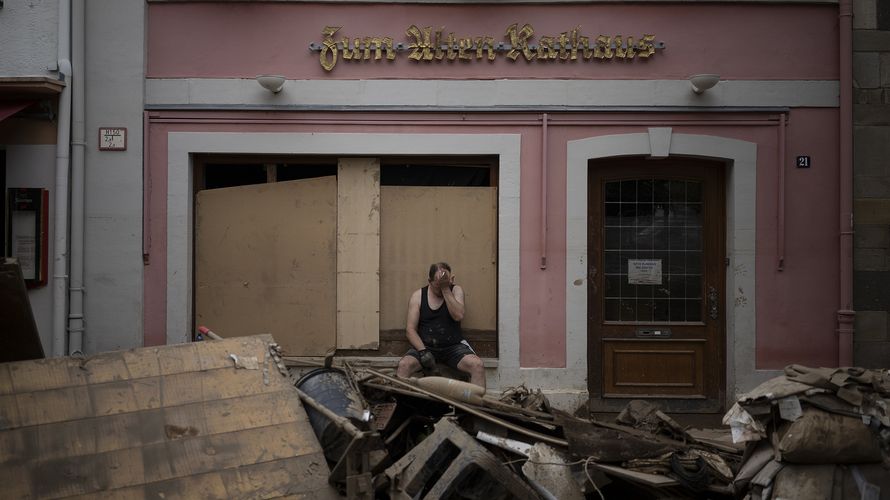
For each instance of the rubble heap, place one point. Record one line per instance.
(436, 437)
(814, 433)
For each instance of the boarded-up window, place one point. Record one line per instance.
(278, 255)
(422, 225)
(265, 262)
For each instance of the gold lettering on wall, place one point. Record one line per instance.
(428, 44)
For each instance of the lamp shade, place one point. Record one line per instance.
(703, 82)
(272, 83)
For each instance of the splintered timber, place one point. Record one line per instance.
(430, 45)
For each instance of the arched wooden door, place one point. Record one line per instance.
(656, 240)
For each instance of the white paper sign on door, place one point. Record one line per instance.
(644, 271)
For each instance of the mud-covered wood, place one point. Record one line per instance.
(608, 445)
(162, 422)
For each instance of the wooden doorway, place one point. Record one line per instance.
(656, 316)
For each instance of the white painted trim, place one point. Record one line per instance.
(211, 92)
(182, 145)
(741, 157)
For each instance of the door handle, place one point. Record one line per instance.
(712, 303)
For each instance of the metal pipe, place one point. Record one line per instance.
(780, 198)
(845, 314)
(544, 191)
(398, 430)
(146, 190)
(63, 167)
(473, 411)
(341, 422)
(76, 320)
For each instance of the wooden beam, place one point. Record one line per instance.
(358, 253)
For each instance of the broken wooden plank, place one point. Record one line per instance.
(638, 477)
(586, 439)
(212, 431)
(127, 430)
(59, 373)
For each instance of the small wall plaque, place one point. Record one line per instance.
(803, 162)
(112, 139)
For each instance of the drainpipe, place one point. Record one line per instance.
(846, 314)
(60, 221)
(544, 191)
(78, 151)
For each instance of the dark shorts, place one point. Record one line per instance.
(450, 355)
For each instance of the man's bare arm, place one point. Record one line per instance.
(412, 320)
(454, 298)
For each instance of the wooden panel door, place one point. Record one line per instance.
(266, 262)
(657, 267)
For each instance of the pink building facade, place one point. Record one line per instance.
(651, 240)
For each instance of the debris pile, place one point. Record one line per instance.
(435, 437)
(231, 418)
(815, 433)
(201, 420)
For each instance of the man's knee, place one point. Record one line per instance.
(471, 363)
(407, 366)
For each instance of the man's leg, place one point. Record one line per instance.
(472, 364)
(407, 366)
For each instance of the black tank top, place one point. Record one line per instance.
(436, 327)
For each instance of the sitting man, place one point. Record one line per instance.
(433, 328)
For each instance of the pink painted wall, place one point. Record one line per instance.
(795, 308)
(737, 41)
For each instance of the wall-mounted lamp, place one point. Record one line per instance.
(701, 83)
(272, 83)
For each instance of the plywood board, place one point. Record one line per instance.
(423, 225)
(225, 432)
(358, 253)
(265, 262)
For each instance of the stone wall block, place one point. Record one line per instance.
(871, 115)
(871, 151)
(883, 15)
(871, 354)
(872, 236)
(872, 291)
(868, 96)
(885, 69)
(870, 259)
(871, 326)
(866, 70)
(865, 186)
(865, 14)
(871, 40)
